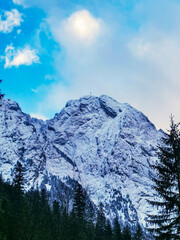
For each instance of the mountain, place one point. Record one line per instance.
(104, 145)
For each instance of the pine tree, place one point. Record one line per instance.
(65, 224)
(138, 234)
(90, 220)
(78, 214)
(19, 211)
(45, 217)
(19, 180)
(108, 231)
(56, 220)
(126, 233)
(1, 95)
(79, 203)
(166, 223)
(100, 224)
(117, 230)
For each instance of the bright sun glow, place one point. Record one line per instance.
(83, 25)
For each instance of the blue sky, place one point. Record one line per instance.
(53, 51)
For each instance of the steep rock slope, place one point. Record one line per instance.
(104, 145)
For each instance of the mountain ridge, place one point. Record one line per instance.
(104, 145)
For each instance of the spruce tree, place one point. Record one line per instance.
(138, 234)
(79, 204)
(78, 214)
(117, 230)
(44, 216)
(19, 180)
(100, 224)
(166, 177)
(56, 220)
(108, 231)
(19, 211)
(90, 220)
(126, 233)
(1, 95)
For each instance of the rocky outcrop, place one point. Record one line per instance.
(104, 145)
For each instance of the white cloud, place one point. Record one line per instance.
(139, 48)
(18, 31)
(80, 28)
(161, 54)
(25, 56)
(135, 60)
(13, 19)
(31, 3)
(38, 116)
(158, 56)
(34, 90)
(145, 73)
(20, 2)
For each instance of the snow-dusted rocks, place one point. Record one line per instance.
(104, 145)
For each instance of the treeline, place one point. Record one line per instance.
(165, 223)
(29, 216)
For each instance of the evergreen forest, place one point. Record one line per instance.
(30, 216)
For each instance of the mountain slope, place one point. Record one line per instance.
(104, 145)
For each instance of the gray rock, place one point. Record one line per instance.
(104, 145)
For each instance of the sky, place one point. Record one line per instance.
(54, 51)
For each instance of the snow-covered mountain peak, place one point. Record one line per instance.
(8, 104)
(104, 145)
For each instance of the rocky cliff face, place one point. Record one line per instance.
(104, 145)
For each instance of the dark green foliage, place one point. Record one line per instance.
(79, 203)
(56, 217)
(18, 180)
(100, 224)
(108, 231)
(126, 233)
(166, 224)
(1, 95)
(29, 216)
(138, 234)
(117, 230)
(78, 214)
